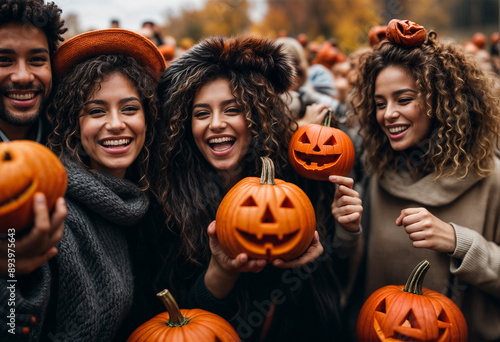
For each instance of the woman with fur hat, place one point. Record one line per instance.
(430, 122)
(222, 111)
(104, 110)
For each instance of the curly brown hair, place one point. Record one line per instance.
(456, 94)
(82, 81)
(189, 194)
(35, 12)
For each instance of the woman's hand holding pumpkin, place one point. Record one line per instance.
(346, 206)
(314, 250)
(223, 271)
(38, 246)
(427, 231)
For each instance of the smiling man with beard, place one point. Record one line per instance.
(30, 32)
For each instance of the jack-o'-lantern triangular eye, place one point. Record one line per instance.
(304, 139)
(249, 202)
(381, 307)
(443, 317)
(330, 141)
(287, 203)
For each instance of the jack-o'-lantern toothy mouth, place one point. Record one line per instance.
(314, 161)
(26, 190)
(267, 240)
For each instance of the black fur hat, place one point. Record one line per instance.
(244, 56)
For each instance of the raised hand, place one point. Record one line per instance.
(38, 246)
(346, 206)
(426, 230)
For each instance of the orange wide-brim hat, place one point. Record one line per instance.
(106, 42)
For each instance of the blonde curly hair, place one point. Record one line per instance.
(456, 94)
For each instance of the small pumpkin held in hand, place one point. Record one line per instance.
(182, 325)
(27, 167)
(318, 151)
(411, 313)
(266, 218)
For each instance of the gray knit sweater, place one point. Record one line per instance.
(85, 291)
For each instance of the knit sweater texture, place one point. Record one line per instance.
(470, 275)
(85, 291)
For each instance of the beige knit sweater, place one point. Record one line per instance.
(471, 274)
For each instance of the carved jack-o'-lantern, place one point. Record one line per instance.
(411, 313)
(26, 168)
(318, 151)
(266, 218)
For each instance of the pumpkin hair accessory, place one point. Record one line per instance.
(106, 42)
(405, 33)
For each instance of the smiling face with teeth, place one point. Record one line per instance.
(113, 126)
(25, 75)
(398, 111)
(219, 127)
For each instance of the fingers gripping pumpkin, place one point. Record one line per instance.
(27, 167)
(266, 218)
(182, 325)
(411, 313)
(318, 151)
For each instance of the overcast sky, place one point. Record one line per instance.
(97, 14)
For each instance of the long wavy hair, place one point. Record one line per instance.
(454, 92)
(189, 190)
(74, 90)
(188, 187)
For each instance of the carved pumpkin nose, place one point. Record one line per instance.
(7, 157)
(268, 216)
(316, 149)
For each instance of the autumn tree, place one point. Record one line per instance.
(217, 17)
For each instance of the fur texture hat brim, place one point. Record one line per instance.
(242, 55)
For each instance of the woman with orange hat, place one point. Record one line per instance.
(221, 111)
(430, 122)
(103, 111)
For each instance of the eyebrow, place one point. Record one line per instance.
(226, 102)
(124, 100)
(400, 91)
(32, 51)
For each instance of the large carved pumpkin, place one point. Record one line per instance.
(27, 167)
(318, 151)
(182, 325)
(411, 313)
(266, 218)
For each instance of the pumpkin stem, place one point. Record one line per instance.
(327, 121)
(176, 318)
(267, 175)
(416, 278)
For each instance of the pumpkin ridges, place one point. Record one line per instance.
(200, 325)
(240, 228)
(47, 175)
(426, 307)
(318, 135)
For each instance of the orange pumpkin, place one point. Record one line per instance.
(27, 167)
(405, 33)
(266, 218)
(411, 313)
(181, 325)
(318, 151)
